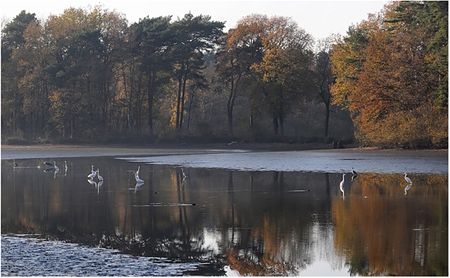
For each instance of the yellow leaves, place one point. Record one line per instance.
(402, 127)
(63, 25)
(281, 40)
(346, 73)
(173, 115)
(57, 107)
(73, 20)
(382, 79)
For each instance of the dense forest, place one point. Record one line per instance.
(87, 75)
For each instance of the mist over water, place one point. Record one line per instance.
(217, 221)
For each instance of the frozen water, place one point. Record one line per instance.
(331, 161)
(29, 256)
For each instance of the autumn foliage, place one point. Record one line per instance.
(391, 75)
(87, 75)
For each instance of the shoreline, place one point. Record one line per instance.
(251, 159)
(224, 146)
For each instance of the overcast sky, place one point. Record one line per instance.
(319, 18)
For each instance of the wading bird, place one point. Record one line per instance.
(65, 166)
(56, 171)
(93, 173)
(136, 176)
(341, 185)
(355, 175)
(51, 166)
(138, 169)
(55, 166)
(100, 178)
(407, 179)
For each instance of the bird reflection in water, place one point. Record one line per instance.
(407, 188)
(354, 174)
(92, 182)
(409, 185)
(341, 186)
(65, 168)
(51, 167)
(55, 173)
(138, 187)
(98, 185)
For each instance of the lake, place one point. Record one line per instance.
(202, 221)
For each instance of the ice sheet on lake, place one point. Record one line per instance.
(331, 161)
(25, 256)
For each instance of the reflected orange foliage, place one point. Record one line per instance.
(367, 229)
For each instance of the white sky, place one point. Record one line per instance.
(319, 18)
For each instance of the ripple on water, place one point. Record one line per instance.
(27, 256)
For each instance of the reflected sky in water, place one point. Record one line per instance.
(251, 223)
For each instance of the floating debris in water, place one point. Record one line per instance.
(165, 205)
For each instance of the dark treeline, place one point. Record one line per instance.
(87, 75)
(90, 76)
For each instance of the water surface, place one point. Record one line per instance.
(188, 221)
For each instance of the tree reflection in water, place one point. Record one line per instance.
(258, 223)
(389, 233)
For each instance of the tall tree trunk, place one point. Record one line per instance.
(281, 120)
(281, 112)
(180, 85)
(150, 92)
(138, 105)
(128, 97)
(14, 114)
(230, 108)
(230, 103)
(191, 101)
(275, 124)
(183, 93)
(230, 122)
(71, 127)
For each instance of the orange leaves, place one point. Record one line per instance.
(382, 78)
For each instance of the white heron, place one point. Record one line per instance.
(56, 171)
(65, 166)
(100, 178)
(93, 173)
(341, 185)
(136, 176)
(407, 179)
